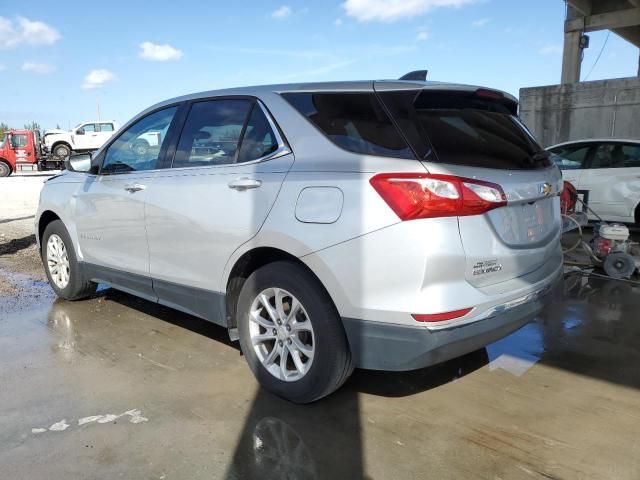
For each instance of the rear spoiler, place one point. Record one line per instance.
(419, 75)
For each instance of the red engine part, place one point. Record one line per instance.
(568, 198)
(601, 246)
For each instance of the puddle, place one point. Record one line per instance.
(20, 293)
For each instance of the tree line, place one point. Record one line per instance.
(4, 127)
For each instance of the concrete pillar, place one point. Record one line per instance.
(571, 57)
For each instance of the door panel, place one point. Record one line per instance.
(195, 221)
(110, 208)
(228, 168)
(110, 222)
(612, 182)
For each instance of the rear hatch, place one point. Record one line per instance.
(476, 134)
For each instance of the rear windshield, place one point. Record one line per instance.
(352, 120)
(464, 128)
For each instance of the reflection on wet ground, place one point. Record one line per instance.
(560, 398)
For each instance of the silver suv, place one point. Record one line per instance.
(384, 225)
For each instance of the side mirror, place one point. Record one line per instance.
(78, 163)
(80, 131)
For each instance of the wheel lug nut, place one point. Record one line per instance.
(279, 322)
(288, 328)
(274, 331)
(289, 341)
(280, 343)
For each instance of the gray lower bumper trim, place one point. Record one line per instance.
(383, 346)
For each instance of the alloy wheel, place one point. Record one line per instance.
(58, 261)
(281, 334)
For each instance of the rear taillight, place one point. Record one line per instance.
(421, 195)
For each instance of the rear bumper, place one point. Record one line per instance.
(383, 346)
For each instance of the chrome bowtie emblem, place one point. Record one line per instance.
(545, 189)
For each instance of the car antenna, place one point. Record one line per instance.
(420, 75)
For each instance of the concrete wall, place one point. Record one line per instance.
(601, 109)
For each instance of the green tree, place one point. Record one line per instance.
(3, 128)
(32, 126)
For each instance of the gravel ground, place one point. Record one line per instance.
(18, 251)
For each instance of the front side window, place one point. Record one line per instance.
(212, 132)
(106, 127)
(18, 141)
(138, 147)
(570, 157)
(88, 128)
(354, 121)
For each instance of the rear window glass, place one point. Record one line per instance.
(464, 129)
(354, 121)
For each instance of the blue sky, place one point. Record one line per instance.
(58, 60)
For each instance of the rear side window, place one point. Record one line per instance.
(212, 132)
(354, 121)
(468, 128)
(106, 127)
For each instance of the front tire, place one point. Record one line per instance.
(61, 264)
(291, 334)
(61, 151)
(5, 169)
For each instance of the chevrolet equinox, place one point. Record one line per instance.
(385, 225)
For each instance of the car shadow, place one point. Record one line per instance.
(17, 244)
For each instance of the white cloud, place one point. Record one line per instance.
(97, 78)
(38, 68)
(337, 22)
(481, 22)
(23, 31)
(159, 53)
(282, 12)
(550, 50)
(393, 10)
(422, 36)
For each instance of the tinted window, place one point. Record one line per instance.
(106, 127)
(616, 155)
(138, 147)
(631, 155)
(466, 128)
(88, 128)
(18, 141)
(570, 157)
(354, 121)
(259, 139)
(211, 133)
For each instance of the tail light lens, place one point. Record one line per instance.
(419, 195)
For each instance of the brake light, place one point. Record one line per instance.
(419, 195)
(441, 317)
(490, 94)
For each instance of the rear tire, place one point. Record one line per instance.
(61, 264)
(5, 169)
(322, 360)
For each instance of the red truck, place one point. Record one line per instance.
(21, 150)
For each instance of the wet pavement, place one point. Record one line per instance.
(116, 387)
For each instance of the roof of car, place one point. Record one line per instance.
(358, 85)
(594, 140)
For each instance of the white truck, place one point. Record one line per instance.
(84, 137)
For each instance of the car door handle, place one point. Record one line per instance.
(244, 183)
(136, 187)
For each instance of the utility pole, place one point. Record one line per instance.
(98, 104)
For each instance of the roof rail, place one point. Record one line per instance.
(420, 75)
